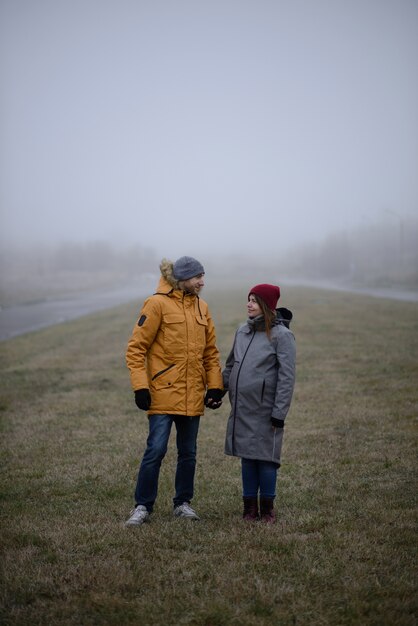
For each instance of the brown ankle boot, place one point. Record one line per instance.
(250, 509)
(267, 513)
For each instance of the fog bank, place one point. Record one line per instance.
(218, 127)
(383, 255)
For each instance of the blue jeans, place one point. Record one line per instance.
(258, 476)
(157, 443)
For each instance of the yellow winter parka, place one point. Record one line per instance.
(172, 352)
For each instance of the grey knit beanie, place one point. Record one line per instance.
(187, 267)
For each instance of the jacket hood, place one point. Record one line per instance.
(168, 284)
(167, 281)
(284, 316)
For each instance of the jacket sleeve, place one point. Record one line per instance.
(211, 357)
(142, 337)
(228, 365)
(286, 355)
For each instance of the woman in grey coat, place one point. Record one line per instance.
(260, 376)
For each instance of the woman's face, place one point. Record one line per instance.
(253, 307)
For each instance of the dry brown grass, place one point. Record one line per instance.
(343, 550)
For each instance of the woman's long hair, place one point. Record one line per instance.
(269, 315)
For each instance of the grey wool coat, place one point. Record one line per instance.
(259, 376)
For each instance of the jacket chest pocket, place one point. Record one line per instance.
(174, 332)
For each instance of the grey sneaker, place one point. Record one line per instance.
(186, 511)
(139, 515)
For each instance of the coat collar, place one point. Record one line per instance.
(166, 289)
(255, 323)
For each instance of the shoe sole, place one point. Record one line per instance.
(144, 521)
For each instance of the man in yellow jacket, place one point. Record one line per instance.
(175, 372)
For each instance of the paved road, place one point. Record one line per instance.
(390, 294)
(21, 319)
(17, 320)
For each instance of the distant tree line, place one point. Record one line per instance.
(380, 254)
(76, 257)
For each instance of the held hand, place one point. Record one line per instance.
(213, 398)
(143, 399)
(276, 423)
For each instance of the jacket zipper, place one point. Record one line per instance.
(162, 371)
(236, 392)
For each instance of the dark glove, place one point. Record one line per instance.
(213, 398)
(143, 399)
(277, 423)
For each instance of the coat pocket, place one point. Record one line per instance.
(262, 391)
(165, 378)
(174, 332)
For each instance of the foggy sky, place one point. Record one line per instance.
(215, 125)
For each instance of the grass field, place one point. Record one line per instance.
(344, 548)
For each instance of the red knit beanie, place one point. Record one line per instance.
(269, 293)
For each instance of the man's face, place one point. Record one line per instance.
(194, 285)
